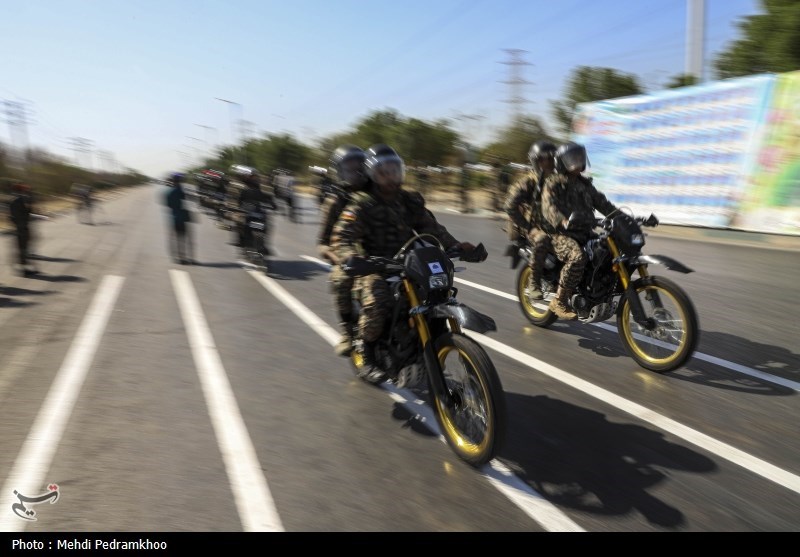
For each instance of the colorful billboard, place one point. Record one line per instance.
(683, 154)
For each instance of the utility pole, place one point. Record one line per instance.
(695, 39)
(83, 146)
(516, 82)
(16, 117)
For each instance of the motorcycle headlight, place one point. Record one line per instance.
(637, 239)
(437, 281)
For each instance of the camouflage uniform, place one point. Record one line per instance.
(371, 226)
(341, 284)
(561, 196)
(524, 208)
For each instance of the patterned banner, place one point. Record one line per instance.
(772, 199)
(683, 154)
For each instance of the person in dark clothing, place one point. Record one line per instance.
(250, 201)
(20, 213)
(180, 243)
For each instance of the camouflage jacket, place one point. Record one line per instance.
(523, 203)
(332, 207)
(562, 195)
(370, 225)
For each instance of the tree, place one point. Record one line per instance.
(770, 42)
(592, 84)
(681, 80)
(514, 141)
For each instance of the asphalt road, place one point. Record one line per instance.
(207, 398)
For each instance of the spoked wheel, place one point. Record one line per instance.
(537, 311)
(671, 337)
(474, 426)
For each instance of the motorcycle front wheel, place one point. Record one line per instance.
(672, 339)
(474, 426)
(537, 311)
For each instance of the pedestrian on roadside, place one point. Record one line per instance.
(180, 242)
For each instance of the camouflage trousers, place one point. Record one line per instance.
(342, 288)
(540, 245)
(574, 258)
(376, 303)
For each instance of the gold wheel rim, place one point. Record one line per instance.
(628, 332)
(452, 431)
(527, 306)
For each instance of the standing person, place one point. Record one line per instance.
(20, 211)
(84, 200)
(464, 190)
(524, 208)
(347, 162)
(377, 222)
(180, 243)
(567, 191)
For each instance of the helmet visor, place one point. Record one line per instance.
(574, 160)
(352, 172)
(387, 170)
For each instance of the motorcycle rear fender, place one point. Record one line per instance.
(465, 316)
(668, 262)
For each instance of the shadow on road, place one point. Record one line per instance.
(768, 359)
(294, 270)
(577, 458)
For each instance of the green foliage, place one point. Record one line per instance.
(589, 84)
(514, 141)
(681, 80)
(266, 154)
(770, 42)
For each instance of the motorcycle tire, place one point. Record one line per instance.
(674, 339)
(475, 426)
(536, 311)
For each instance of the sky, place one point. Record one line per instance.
(142, 79)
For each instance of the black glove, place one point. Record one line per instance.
(652, 220)
(475, 256)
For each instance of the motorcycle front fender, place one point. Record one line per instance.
(465, 316)
(667, 262)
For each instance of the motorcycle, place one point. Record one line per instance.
(422, 340)
(255, 246)
(656, 319)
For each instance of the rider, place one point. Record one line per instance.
(249, 201)
(565, 192)
(348, 164)
(377, 222)
(524, 208)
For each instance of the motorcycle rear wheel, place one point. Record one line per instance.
(475, 426)
(536, 311)
(674, 339)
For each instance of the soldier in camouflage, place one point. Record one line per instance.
(377, 222)
(348, 164)
(524, 209)
(565, 192)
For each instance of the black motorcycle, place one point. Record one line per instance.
(256, 230)
(656, 320)
(422, 340)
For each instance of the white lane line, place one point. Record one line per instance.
(732, 454)
(518, 492)
(744, 370)
(723, 450)
(254, 501)
(27, 476)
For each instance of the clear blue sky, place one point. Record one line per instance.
(136, 77)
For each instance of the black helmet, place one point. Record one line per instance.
(384, 165)
(539, 149)
(348, 162)
(571, 157)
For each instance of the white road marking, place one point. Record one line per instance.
(28, 475)
(738, 368)
(250, 490)
(773, 473)
(518, 492)
(723, 450)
